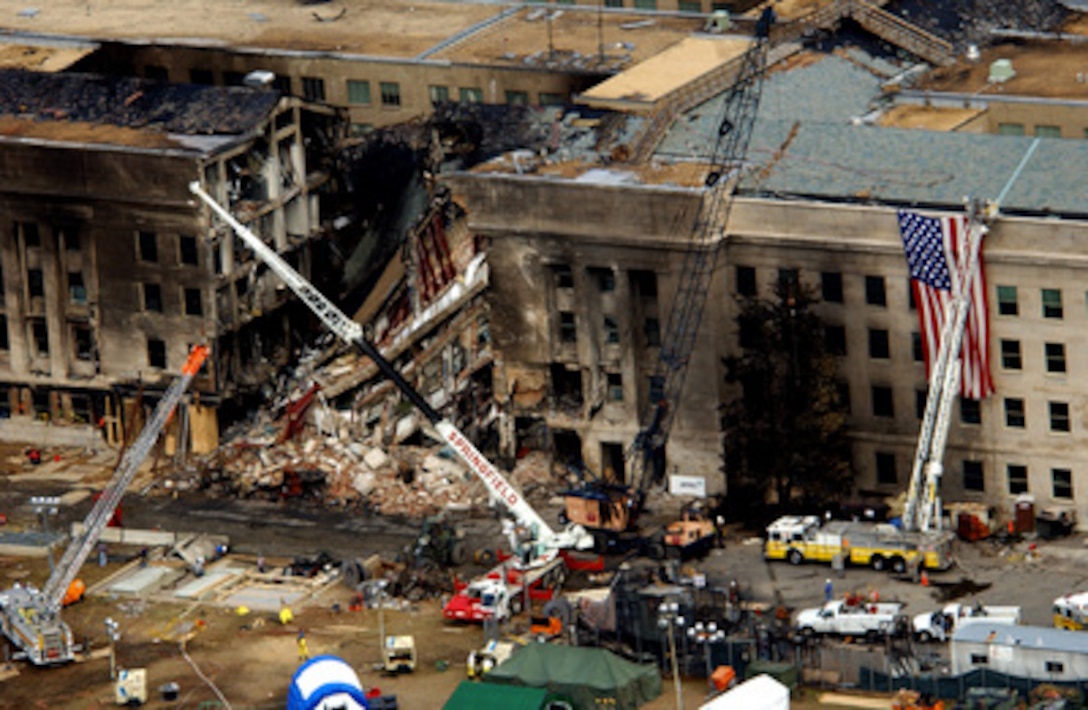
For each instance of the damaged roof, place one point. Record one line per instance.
(126, 102)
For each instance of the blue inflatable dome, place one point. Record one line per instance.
(326, 683)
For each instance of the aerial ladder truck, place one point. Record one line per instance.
(922, 512)
(30, 618)
(543, 543)
(614, 509)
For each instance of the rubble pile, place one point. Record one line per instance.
(341, 470)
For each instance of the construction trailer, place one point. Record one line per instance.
(30, 618)
(1035, 652)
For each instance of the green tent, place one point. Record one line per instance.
(489, 696)
(585, 675)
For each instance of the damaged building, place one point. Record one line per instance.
(111, 271)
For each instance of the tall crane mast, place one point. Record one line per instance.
(547, 540)
(734, 133)
(31, 618)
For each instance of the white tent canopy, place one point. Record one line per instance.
(760, 693)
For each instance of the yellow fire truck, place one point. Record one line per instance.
(881, 546)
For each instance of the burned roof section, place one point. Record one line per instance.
(133, 103)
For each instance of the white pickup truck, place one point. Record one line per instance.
(940, 625)
(837, 617)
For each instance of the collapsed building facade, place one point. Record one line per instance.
(111, 272)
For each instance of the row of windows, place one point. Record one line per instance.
(974, 478)
(39, 333)
(191, 299)
(568, 330)
(147, 248)
(831, 291)
(694, 6)
(1041, 130)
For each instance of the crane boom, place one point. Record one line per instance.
(573, 536)
(734, 133)
(99, 516)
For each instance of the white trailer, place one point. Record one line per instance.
(759, 693)
(1036, 652)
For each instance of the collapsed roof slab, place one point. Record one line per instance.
(644, 86)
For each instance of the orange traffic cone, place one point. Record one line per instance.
(925, 578)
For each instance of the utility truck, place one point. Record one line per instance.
(940, 625)
(882, 546)
(871, 620)
(29, 617)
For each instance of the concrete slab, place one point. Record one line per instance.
(28, 543)
(264, 598)
(143, 581)
(202, 585)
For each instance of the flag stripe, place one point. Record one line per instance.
(930, 243)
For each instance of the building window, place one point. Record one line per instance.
(911, 303)
(71, 240)
(156, 353)
(77, 292)
(568, 331)
(313, 88)
(1062, 480)
(1055, 357)
(615, 387)
(356, 130)
(32, 238)
(652, 331)
(874, 291)
(551, 99)
(147, 246)
(153, 298)
(1059, 416)
(916, 351)
(920, 398)
(1055, 667)
(517, 98)
(282, 84)
(746, 280)
(1052, 303)
(201, 76)
(1014, 413)
(693, 6)
(358, 91)
(613, 3)
(40, 333)
(564, 277)
(645, 4)
(1048, 131)
(234, 78)
(882, 401)
(471, 95)
(973, 478)
(81, 340)
(390, 93)
(187, 253)
(604, 278)
(438, 94)
(970, 411)
(1018, 478)
(194, 305)
(885, 468)
(835, 339)
(831, 287)
(3, 332)
(788, 280)
(35, 283)
(1010, 355)
(979, 659)
(1007, 304)
(1010, 129)
(878, 344)
(611, 330)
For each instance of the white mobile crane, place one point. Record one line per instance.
(30, 618)
(546, 542)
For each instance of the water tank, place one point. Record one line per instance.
(719, 21)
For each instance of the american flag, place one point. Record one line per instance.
(932, 245)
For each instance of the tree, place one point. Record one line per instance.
(786, 432)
